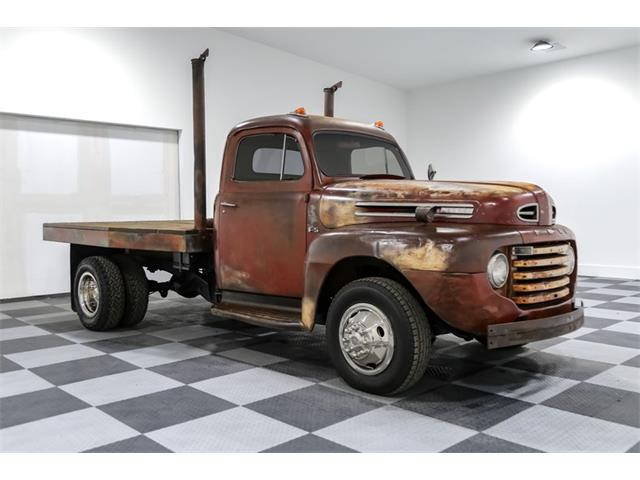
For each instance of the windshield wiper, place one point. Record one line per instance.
(373, 176)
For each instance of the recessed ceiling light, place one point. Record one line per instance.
(542, 45)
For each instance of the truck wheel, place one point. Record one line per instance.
(136, 291)
(99, 293)
(378, 336)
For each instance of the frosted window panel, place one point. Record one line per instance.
(48, 162)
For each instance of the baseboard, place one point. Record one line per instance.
(610, 271)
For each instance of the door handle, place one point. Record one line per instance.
(227, 204)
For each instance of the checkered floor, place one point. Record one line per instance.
(185, 381)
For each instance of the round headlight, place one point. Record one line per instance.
(498, 270)
(571, 260)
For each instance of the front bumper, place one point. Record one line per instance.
(525, 331)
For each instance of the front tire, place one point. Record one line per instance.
(99, 293)
(378, 336)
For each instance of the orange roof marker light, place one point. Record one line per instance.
(300, 111)
(379, 124)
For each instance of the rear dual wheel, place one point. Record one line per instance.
(110, 293)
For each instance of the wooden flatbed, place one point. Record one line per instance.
(154, 235)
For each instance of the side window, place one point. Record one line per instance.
(270, 156)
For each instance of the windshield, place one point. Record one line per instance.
(353, 155)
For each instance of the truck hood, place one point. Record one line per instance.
(367, 201)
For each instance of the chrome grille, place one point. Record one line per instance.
(540, 274)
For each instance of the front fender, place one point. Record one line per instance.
(406, 247)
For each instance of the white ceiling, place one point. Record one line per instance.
(414, 57)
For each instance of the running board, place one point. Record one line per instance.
(264, 317)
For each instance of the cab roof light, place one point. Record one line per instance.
(299, 111)
(379, 124)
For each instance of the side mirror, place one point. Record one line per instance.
(431, 172)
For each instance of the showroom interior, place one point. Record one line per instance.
(97, 125)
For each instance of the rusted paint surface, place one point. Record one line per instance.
(493, 203)
(163, 236)
(427, 255)
(540, 297)
(538, 286)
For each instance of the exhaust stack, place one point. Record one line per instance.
(199, 154)
(328, 98)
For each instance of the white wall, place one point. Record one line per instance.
(143, 77)
(572, 127)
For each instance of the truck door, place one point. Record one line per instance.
(261, 213)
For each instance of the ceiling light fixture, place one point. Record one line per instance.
(542, 45)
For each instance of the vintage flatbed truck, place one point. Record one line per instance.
(319, 220)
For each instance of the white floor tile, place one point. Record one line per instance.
(84, 336)
(50, 318)
(3, 316)
(14, 333)
(48, 356)
(578, 333)
(20, 305)
(70, 432)
(235, 430)
(190, 332)
(630, 300)
(626, 327)
(391, 429)
(592, 284)
(613, 291)
(21, 381)
(587, 302)
(634, 283)
(598, 352)
(530, 387)
(621, 376)
(609, 314)
(120, 386)
(160, 354)
(251, 385)
(252, 357)
(553, 430)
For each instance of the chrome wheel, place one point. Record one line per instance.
(366, 338)
(88, 294)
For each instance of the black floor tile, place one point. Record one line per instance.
(598, 323)
(464, 406)
(139, 444)
(200, 368)
(121, 344)
(633, 362)
(83, 369)
(597, 296)
(482, 443)
(31, 406)
(309, 444)
(27, 312)
(7, 365)
(307, 370)
(558, 365)
(597, 401)
(11, 323)
(31, 343)
(63, 326)
(314, 407)
(170, 407)
(627, 307)
(610, 337)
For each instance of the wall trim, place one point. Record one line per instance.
(610, 271)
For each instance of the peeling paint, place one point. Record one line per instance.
(426, 256)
